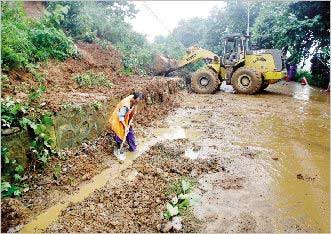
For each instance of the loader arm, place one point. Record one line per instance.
(193, 54)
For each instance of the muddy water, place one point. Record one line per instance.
(43, 220)
(275, 149)
(297, 138)
(302, 143)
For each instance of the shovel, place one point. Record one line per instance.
(120, 153)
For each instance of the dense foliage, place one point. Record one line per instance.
(302, 27)
(37, 122)
(107, 21)
(25, 41)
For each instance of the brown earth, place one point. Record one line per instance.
(81, 163)
(34, 9)
(136, 205)
(61, 89)
(231, 145)
(12, 213)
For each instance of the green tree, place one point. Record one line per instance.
(296, 25)
(191, 31)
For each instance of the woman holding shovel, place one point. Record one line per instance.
(120, 122)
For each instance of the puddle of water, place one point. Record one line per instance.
(176, 132)
(160, 134)
(301, 92)
(43, 220)
(172, 133)
(298, 136)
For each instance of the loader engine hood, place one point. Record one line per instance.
(276, 54)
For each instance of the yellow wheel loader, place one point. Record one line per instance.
(248, 71)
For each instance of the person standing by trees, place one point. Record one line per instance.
(120, 121)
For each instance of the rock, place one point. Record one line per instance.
(86, 176)
(15, 229)
(149, 100)
(9, 131)
(159, 170)
(275, 158)
(300, 177)
(177, 223)
(13, 213)
(194, 173)
(167, 227)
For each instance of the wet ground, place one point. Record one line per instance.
(261, 164)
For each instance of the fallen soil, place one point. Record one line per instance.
(61, 88)
(76, 165)
(79, 164)
(136, 204)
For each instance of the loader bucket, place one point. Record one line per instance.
(163, 65)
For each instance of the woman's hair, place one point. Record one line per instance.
(137, 95)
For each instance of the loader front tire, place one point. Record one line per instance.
(205, 81)
(246, 80)
(264, 86)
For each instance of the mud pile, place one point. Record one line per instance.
(62, 89)
(136, 204)
(163, 65)
(66, 172)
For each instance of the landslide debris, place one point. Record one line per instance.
(137, 205)
(62, 89)
(12, 213)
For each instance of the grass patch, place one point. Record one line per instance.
(90, 80)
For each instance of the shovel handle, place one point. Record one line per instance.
(126, 133)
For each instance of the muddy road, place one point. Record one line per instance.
(261, 164)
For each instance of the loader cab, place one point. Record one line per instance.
(235, 47)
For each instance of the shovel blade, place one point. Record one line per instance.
(119, 154)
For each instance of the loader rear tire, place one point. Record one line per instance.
(205, 81)
(246, 80)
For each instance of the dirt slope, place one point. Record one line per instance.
(61, 89)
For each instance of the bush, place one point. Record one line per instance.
(90, 79)
(100, 21)
(302, 73)
(317, 80)
(11, 112)
(11, 176)
(320, 68)
(25, 41)
(53, 43)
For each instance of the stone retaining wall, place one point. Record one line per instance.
(75, 125)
